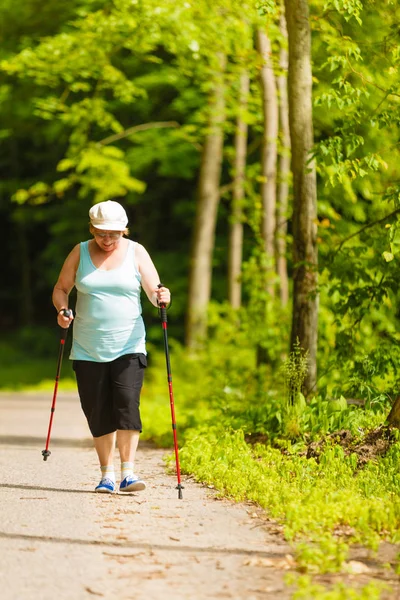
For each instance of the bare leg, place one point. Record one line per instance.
(127, 440)
(105, 445)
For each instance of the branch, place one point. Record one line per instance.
(64, 96)
(367, 226)
(365, 80)
(143, 127)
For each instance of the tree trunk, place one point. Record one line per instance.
(305, 253)
(236, 224)
(269, 146)
(393, 418)
(206, 215)
(284, 169)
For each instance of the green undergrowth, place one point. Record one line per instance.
(307, 590)
(34, 374)
(314, 499)
(190, 403)
(324, 505)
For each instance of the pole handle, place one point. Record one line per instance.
(163, 308)
(67, 312)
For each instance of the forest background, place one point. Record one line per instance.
(285, 303)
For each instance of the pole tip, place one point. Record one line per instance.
(180, 487)
(46, 454)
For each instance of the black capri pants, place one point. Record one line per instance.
(110, 392)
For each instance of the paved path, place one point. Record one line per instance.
(60, 540)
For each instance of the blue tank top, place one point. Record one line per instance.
(108, 321)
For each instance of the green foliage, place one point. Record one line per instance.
(294, 371)
(306, 589)
(357, 81)
(28, 361)
(313, 499)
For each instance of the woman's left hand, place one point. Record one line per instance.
(163, 295)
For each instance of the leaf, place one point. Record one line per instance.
(21, 196)
(388, 256)
(62, 185)
(65, 164)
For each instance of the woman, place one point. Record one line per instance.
(108, 347)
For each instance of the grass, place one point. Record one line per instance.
(307, 590)
(28, 362)
(35, 375)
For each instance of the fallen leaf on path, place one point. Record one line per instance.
(113, 555)
(154, 575)
(287, 562)
(128, 512)
(357, 568)
(258, 562)
(32, 498)
(88, 589)
(174, 539)
(276, 530)
(253, 515)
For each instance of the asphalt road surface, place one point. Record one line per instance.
(58, 539)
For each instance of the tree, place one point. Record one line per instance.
(235, 250)
(206, 214)
(305, 253)
(269, 146)
(283, 167)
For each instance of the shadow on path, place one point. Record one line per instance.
(142, 546)
(38, 488)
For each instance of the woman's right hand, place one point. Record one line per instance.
(64, 320)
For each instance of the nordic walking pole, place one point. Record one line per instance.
(163, 315)
(46, 452)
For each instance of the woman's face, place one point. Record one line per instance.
(107, 240)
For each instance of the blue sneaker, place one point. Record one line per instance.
(132, 483)
(106, 486)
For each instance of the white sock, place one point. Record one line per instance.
(126, 469)
(108, 471)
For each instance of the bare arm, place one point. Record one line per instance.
(150, 278)
(64, 285)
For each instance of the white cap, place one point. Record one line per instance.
(109, 215)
